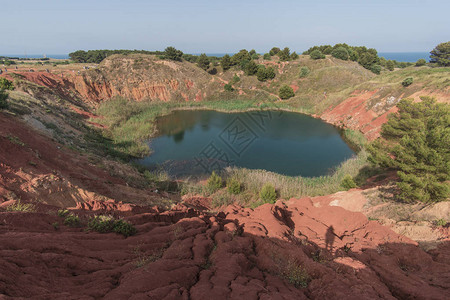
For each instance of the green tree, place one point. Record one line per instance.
(251, 68)
(316, 54)
(252, 52)
(416, 143)
(6, 84)
(390, 65)
(284, 54)
(367, 59)
(420, 62)
(441, 55)
(3, 99)
(203, 61)
(286, 92)
(340, 53)
(274, 51)
(226, 62)
(173, 54)
(294, 56)
(267, 56)
(242, 55)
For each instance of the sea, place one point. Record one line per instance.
(398, 56)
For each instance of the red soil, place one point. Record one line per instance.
(237, 254)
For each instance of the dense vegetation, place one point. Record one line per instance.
(96, 56)
(416, 143)
(368, 58)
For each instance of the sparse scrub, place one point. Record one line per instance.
(22, 207)
(62, 213)
(296, 274)
(72, 220)
(440, 222)
(104, 224)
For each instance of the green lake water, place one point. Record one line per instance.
(196, 142)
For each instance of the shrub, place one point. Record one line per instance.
(375, 69)
(235, 79)
(284, 54)
(440, 222)
(72, 221)
(3, 99)
(340, 53)
(316, 54)
(264, 74)
(214, 182)
(415, 143)
(294, 56)
(267, 56)
(62, 213)
(104, 224)
(268, 193)
(296, 275)
(250, 68)
(304, 71)
(234, 186)
(22, 207)
(407, 82)
(421, 62)
(348, 182)
(6, 84)
(286, 92)
(228, 87)
(390, 65)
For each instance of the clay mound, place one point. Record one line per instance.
(290, 250)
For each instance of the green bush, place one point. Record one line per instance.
(72, 221)
(3, 99)
(440, 222)
(294, 55)
(235, 79)
(286, 92)
(268, 193)
(348, 182)
(316, 54)
(104, 224)
(228, 87)
(22, 207)
(390, 65)
(375, 69)
(420, 62)
(415, 142)
(407, 82)
(267, 56)
(6, 84)
(62, 213)
(234, 186)
(215, 182)
(340, 53)
(264, 74)
(304, 71)
(203, 61)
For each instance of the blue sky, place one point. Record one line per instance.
(62, 26)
